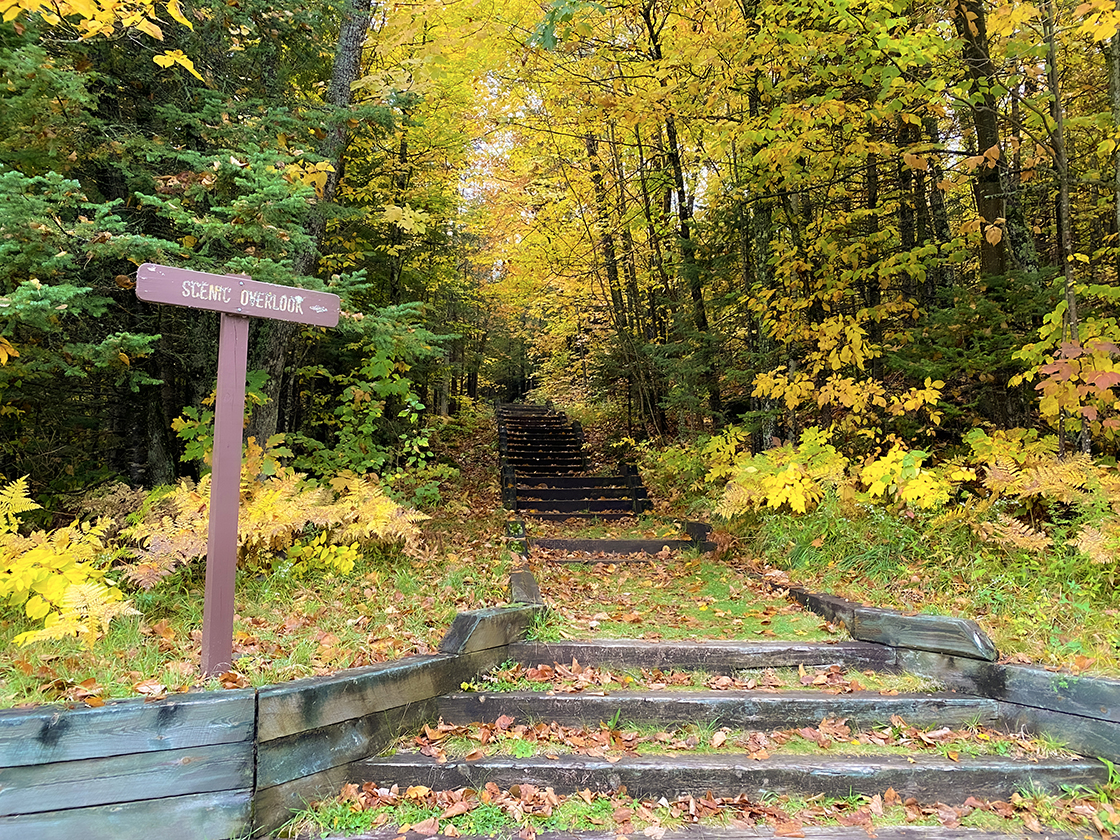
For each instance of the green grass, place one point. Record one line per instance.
(681, 598)
(606, 813)
(1055, 607)
(388, 606)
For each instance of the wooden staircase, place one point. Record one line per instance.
(926, 777)
(745, 714)
(544, 470)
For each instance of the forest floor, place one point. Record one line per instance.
(393, 604)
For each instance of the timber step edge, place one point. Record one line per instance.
(719, 657)
(737, 709)
(931, 779)
(703, 832)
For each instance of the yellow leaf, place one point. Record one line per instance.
(7, 351)
(149, 27)
(124, 359)
(176, 12)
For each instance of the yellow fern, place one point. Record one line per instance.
(1099, 546)
(274, 512)
(1059, 479)
(53, 576)
(14, 500)
(1010, 532)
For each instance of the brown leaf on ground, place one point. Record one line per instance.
(458, 808)
(427, 828)
(1004, 809)
(791, 828)
(152, 689)
(232, 679)
(947, 815)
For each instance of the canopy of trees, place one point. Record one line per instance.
(894, 221)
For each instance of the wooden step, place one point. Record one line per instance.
(717, 657)
(648, 547)
(573, 494)
(583, 505)
(752, 710)
(929, 778)
(545, 516)
(535, 480)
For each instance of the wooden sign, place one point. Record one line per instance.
(237, 298)
(235, 295)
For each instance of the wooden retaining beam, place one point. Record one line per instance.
(1081, 712)
(752, 710)
(221, 765)
(311, 734)
(936, 633)
(185, 764)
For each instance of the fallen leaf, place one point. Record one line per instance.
(427, 828)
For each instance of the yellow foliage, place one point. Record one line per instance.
(1013, 533)
(274, 512)
(899, 473)
(320, 554)
(170, 57)
(54, 576)
(7, 351)
(89, 18)
(786, 475)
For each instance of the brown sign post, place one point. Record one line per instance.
(237, 298)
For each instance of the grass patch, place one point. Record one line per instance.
(390, 605)
(619, 738)
(684, 597)
(1054, 607)
(628, 528)
(526, 809)
(512, 676)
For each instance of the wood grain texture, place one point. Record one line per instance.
(40, 735)
(829, 607)
(125, 778)
(737, 709)
(1097, 738)
(938, 633)
(274, 806)
(307, 753)
(933, 779)
(485, 629)
(205, 816)
(523, 588)
(1091, 697)
(716, 657)
(288, 708)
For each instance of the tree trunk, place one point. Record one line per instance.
(275, 337)
(689, 267)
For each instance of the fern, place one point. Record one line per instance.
(1002, 475)
(275, 512)
(85, 611)
(14, 500)
(1062, 480)
(53, 575)
(1010, 532)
